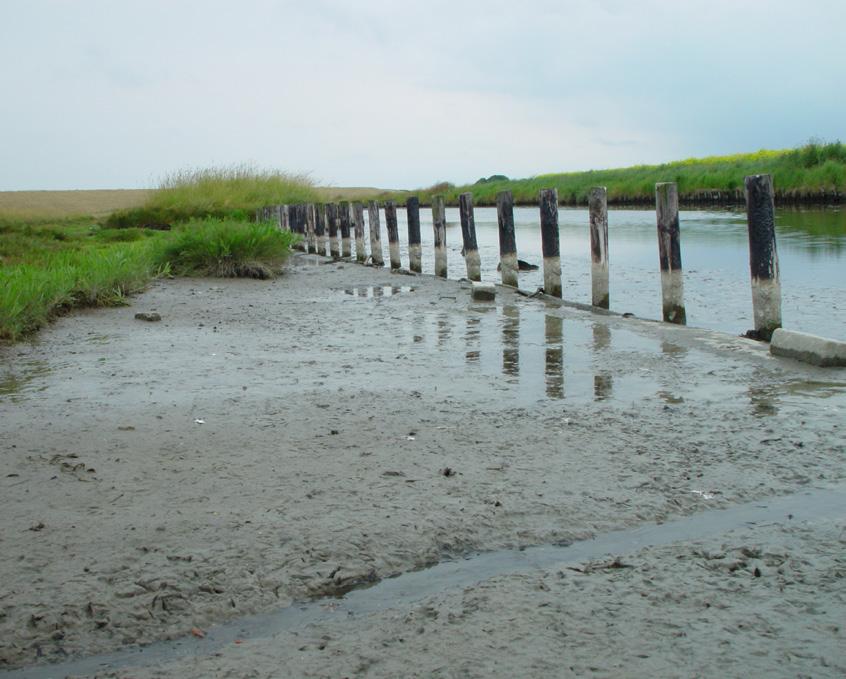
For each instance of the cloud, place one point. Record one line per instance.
(103, 94)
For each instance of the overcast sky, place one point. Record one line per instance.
(116, 93)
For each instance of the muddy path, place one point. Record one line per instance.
(268, 442)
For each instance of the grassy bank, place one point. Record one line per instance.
(222, 193)
(814, 173)
(50, 267)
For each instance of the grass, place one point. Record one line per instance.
(45, 205)
(227, 248)
(815, 172)
(229, 192)
(52, 266)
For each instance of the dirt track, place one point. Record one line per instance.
(270, 442)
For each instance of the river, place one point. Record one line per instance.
(811, 249)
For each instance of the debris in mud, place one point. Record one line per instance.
(392, 473)
(448, 471)
(150, 317)
(594, 566)
(199, 421)
(37, 527)
(197, 632)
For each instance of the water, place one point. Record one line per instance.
(811, 247)
(410, 588)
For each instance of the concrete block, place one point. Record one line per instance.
(484, 292)
(808, 348)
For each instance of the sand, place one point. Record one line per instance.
(270, 442)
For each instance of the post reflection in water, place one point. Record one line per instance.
(764, 401)
(554, 334)
(603, 382)
(511, 341)
(444, 330)
(471, 338)
(673, 350)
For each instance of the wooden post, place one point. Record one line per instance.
(346, 245)
(311, 228)
(550, 243)
(358, 226)
(598, 207)
(763, 256)
(439, 227)
(284, 221)
(468, 234)
(669, 252)
(393, 233)
(507, 242)
(320, 228)
(277, 213)
(294, 217)
(415, 250)
(375, 234)
(332, 222)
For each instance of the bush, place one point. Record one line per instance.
(227, 248)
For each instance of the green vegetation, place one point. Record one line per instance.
(221, 193)
(227, 248)
(815, 172)
(50, 267)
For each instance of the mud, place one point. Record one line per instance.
(267, 442)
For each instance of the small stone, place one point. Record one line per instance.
(151, 317)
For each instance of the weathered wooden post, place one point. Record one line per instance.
(669, 252)
(284, 221)
(311, 228)
(415, 250)
(550, 243)
(346, 245)
(507, 242)
(468, 234)
(375, 234)
(598, 207)
(439, 227)
(358, 227)
(393, 234)
(320, 228)
(332, 222)
(763, 256)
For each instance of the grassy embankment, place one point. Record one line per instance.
(52, 264)
(814, 173)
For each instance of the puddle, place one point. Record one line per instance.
(410, 588)
(374, 291)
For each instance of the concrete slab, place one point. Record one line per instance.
(808, 348)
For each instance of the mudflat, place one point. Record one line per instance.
(267, 443)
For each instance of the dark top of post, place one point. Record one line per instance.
(549, 222)
(439, 220)
(412, 208)
(760, 216)
(505, 218)
(344, 213)
(667, 209)
(468, 223)
(332, 219)
(320, 219)
(391, 221)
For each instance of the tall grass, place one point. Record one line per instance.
(32, 294)
(232, 192)
(815, 171)
(227, 248)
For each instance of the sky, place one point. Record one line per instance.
(119, 93)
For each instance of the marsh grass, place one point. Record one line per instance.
(227, 248)
(31, 294)
(50, 267)
(232, 192)
(813, 171)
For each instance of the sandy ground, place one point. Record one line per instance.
(268, 442)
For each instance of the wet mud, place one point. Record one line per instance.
(268, 442)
